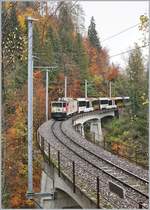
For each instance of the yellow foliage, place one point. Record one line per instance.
(7, 5)
(29, 203)
(21, 20)
(22, 169)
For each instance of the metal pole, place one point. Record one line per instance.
(85, 88)
(65, 87)
(149, 67)
(30, 105)
(2, 144)
(46, 95)
(110, 89)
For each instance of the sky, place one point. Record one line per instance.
(112, 17)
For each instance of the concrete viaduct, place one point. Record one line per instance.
(65, 193)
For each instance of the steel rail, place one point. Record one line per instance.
(124, 170)
(113, 177)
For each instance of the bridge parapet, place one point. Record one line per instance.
(69, 168)
(98, 114)
(64, 170)
(85, 187)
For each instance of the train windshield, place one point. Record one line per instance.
(57, 104)
(82, 103)
(64, 104)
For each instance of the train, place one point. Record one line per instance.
(66, 107)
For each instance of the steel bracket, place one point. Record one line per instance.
(50, 196)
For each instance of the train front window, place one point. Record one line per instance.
(82, 103)
(58, 105)
(64, 104)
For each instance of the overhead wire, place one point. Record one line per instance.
(114, 35)
(128, 51)
(123, 31)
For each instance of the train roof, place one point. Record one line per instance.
(104, 98)
(58, 101)
(81, 99)
(121, 97)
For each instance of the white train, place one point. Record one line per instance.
(65, 107)
(84, 105)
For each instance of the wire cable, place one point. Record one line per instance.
(127, 51)
(127, 29)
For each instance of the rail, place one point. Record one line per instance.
(72, 170)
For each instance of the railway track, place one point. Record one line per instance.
(133, 184)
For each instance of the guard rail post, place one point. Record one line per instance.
(37, 136)
(73, 173)
(97, 183)
(58, 163)
(49, 153)
(140, 205)
(42, 144)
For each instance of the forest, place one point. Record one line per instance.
(59, 40)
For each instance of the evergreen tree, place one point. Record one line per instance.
(136, 74)
(80, 56)
(92, 34)
(66, 28)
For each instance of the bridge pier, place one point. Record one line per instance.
(95, 123)
(96, 130)
(80, 129)
(64, 197)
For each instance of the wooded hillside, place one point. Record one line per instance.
(58, 40)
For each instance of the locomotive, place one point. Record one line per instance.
(63, 108)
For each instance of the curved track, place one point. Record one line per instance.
(122, 176)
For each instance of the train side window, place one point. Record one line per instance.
(87, 104)
(82, 103)
(103, 101)
(110, 102)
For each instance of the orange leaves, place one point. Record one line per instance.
(37, 75)
(11, 133)
(15, 201)
(19, 201)
(61, 76)
(119, 148)
(39, 98)
(112, 73)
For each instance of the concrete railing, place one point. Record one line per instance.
(71, 170)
